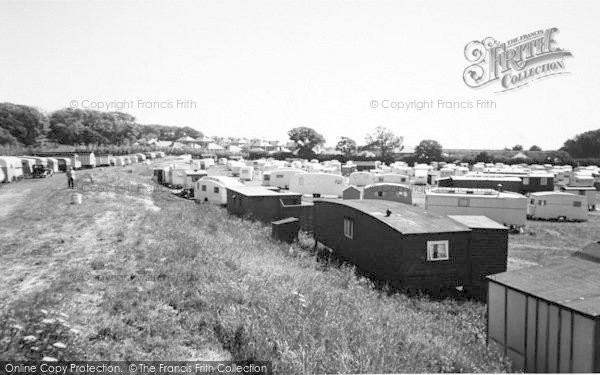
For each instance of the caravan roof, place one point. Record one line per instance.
(223, 180)
(572, 282)
(257, 191)
(404, 218)
(477, 221)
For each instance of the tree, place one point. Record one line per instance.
(306, 139)
(21, 123)
(517, 148)
(428, 150)
(584, 145)
(384, 140)
(484, 157)
(346, 145)
(535, 148)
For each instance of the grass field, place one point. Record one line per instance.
(135, 273)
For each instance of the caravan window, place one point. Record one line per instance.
(278, 176)
(216, 190)
(581, 192)
(543, 181)
(380, 193)
(532, 201)
(349, 228)
(338, 182)
(437, 250)
(577, 204)
(203, 187)
(525, 180)
(463, 202)
(541, 203)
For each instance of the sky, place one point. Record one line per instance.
(260, 68)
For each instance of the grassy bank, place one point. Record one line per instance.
(145, 275)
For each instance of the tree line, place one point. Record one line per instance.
(22, 125)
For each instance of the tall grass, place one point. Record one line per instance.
(189, 282)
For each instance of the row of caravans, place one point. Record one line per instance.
(508, 208)
(15, 168)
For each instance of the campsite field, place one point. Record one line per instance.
(135, 273)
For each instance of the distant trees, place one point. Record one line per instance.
(20, 124)
(347, 146)
(306, 139)
(535, 148)
(484, 157)
(584, 145)
(428, 150)
(517, 148)
(383, 140)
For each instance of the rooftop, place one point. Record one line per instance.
(485, 193)
(259, 191)
(573, 282)
(477, 222)
(404, 218)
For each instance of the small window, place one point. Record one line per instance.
(266, 177)
(543, 181)
(349, 228)
(437, 250)
(216, 190)
(338, 182)
(463, 202)
(532, 202)
(577, 204)
(581, 192)
(278, 176)
(541, 203)
(203, 187)
(380, 193)
(525, 180)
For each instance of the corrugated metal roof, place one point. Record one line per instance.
(404, 218)
(258, 191)
(573, 282)
(477, 221)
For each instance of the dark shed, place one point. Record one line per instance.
(352, 192)
(547, 319)
(394, 242)
(259, 203)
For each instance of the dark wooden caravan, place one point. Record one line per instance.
(407, 247)
(259, 203)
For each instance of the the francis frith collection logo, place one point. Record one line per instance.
(514, 63)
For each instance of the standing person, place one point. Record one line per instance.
(72, 180)
(69, 181)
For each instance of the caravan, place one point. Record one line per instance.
(391, 178)
(281, 177)
(586, 191)
(213, 189)
(247, 173)
(360, 178)
(559, 206)
(318, 184)
(506, 208)
(12, 168)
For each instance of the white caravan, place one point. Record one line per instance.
(555, 205)
(318, 184)
(213, 189)
(506, 208)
